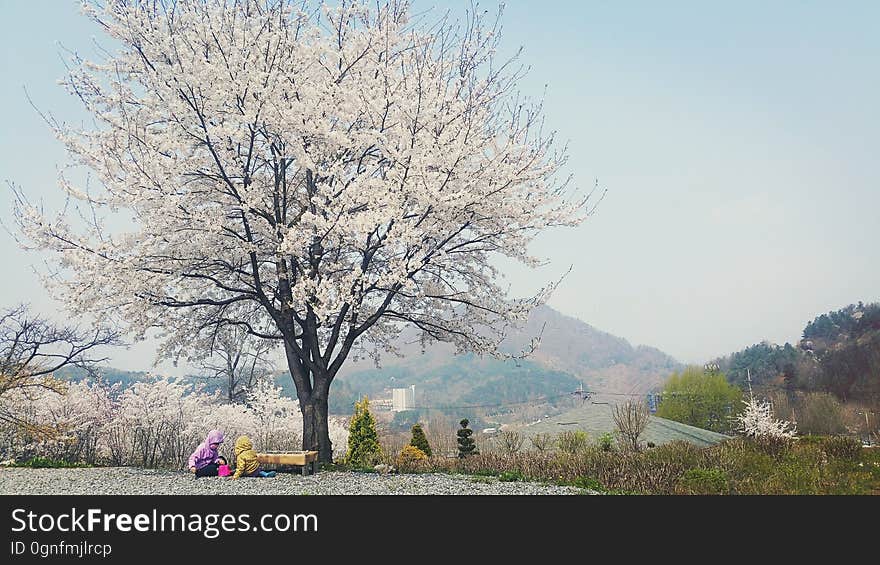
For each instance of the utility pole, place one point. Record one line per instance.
(749, 379)
(867, 423)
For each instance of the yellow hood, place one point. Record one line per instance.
(243, 444)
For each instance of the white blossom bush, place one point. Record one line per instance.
(19, 442)
(757, 421)
(67, 426)
(79, 417)
(274, 417)
(154, 422)
(150, 424)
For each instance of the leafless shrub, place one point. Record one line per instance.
(631, 419)
(542, 442)
(510, 441)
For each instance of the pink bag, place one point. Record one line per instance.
(223, 471)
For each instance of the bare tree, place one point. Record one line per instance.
(510, 441)
(239, 361)
(631, 419)
(33, 348)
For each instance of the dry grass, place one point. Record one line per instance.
(736, 466)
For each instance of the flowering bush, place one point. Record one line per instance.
(757, 421)
(150, 424)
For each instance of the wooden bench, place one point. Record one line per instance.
(307, 460)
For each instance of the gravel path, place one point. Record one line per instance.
(130, 480)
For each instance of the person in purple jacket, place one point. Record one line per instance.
(205, 460)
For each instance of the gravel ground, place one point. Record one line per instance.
(130, 480)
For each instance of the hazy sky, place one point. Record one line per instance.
(738, 142)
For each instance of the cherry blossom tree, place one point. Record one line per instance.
(319, 176)
(33, 348)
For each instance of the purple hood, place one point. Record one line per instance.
(204, 454)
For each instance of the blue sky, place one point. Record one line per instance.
(738, 143)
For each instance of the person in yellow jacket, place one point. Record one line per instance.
(246, 462)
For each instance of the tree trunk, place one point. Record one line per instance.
(313, 403)
(316, 427)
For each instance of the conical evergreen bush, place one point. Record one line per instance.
(420, 440)
(363, 440)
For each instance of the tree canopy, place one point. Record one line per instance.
(319, 176)
(700, 398)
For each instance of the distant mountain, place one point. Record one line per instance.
(602, 361)
(570, 353)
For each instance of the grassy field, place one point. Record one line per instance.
(807, 466)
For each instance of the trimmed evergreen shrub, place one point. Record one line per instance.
(466, 445)
(419, 440)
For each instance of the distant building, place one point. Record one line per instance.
(403, 398)
(653, 401)
(381, 403)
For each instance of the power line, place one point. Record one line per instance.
(588, 394)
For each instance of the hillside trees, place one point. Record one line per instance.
(767, 363)
(699, 398)
(320, 178)
(839, 354)
(846, 346)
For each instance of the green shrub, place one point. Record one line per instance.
(419, 440)
(363, 440)
(772, 445)
(799, 472)
(734, 466)
(511, 476)
(588, 483)
(842, 447)
(809, 439)
(572, 442)
(704, 481)
(48, 463)
(411, 458)
(606, 442)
